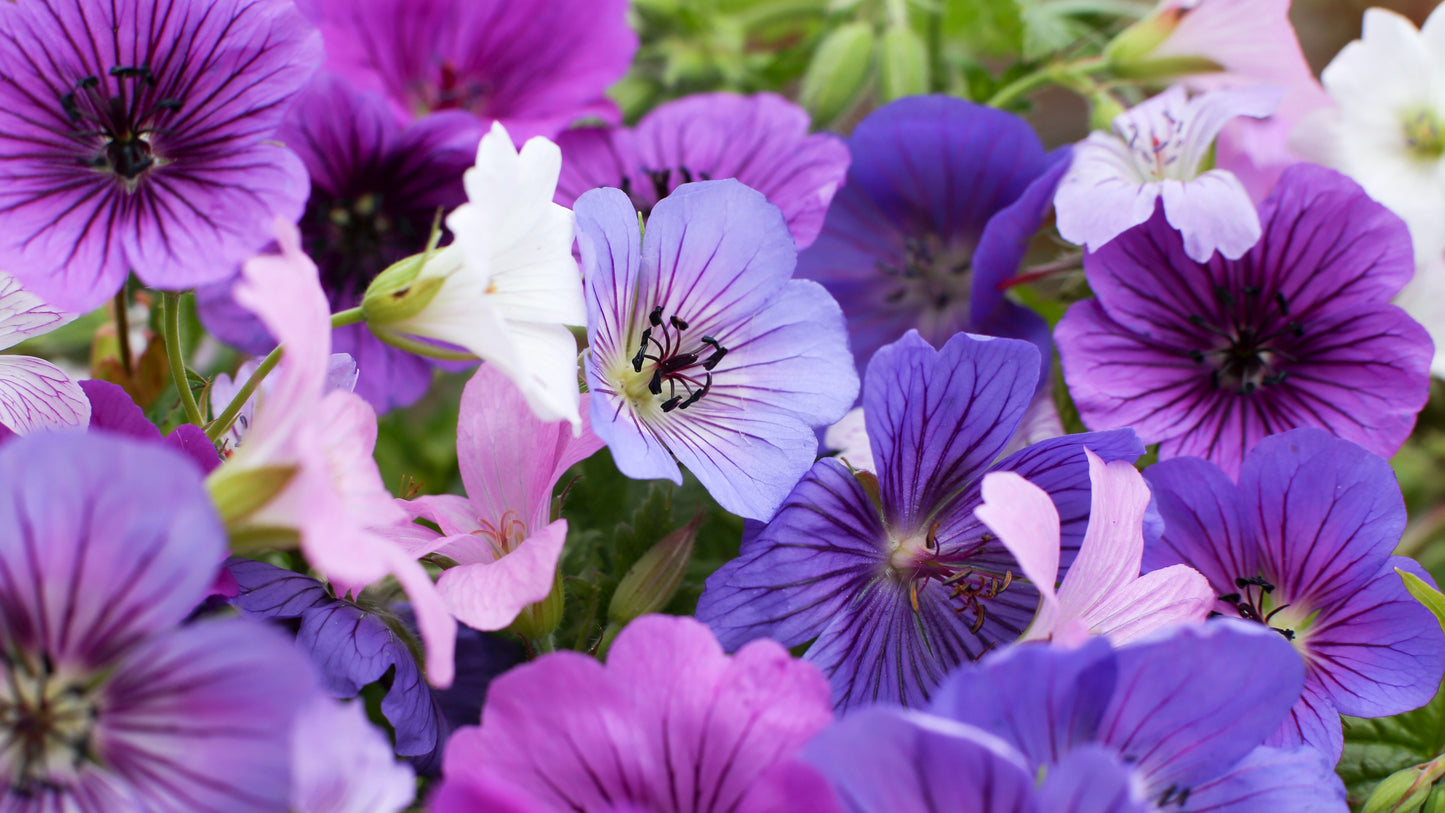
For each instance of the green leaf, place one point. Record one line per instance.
(984, 27)
(1376, 748)
(1046, 30)
(1433, 600)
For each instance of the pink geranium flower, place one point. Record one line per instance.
(1103, 592)
(501, 534)
(334, 498)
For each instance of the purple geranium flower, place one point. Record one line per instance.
(1207, 358)
(670, 725)
(536, 66)
(704, 348)
(760, 140)
(940, 202)
(1303, 544)
(899, 587)
(376, 188)
(107, 700)
(1187, 714)
(137, 135)
(884, 759)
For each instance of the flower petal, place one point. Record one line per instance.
(36, 395)
(489, 595)
(1026, 522)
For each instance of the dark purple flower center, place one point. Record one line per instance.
(679, 362)
(1249, 341)
(931, 275)
(46, 724)
(450, 89)
(354, 236)
(1254, 602)
(661, 183)
(115, 119)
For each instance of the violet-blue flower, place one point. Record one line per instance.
(1303, 544)
(376, 188)
(901, 586)
(761, 140)
(1207, 358)
(108, 701)
(703, 350)
(137, 135)
(1186, 712)
(937, 211)
(536, 66)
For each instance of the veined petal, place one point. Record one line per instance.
(1177, 594)
(24, 315)
(1113, 545)
(1026, 522)
(1294, 780)
(35, 394)
(489, 595)
(1213, 212)
(610, 242)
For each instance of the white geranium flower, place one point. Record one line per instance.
(509, 284)
(34, 394)
(1385, 131)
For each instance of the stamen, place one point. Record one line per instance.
(641, 351)
(671, 403)
(656, 316)
(677, 323)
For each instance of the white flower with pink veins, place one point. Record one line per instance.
(34, 394)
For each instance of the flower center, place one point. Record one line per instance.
(931, 276)
(116, 118)
(662, 181)
(916, 558)
(354, 237)
(1245, 351)
(680, 370)
(505, 536)
(47, 722)
(1256, 601)
(449, 90)
(1156, 147)
(1422, 135)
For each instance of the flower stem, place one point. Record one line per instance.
(178, 362)
(1068, 74)
(122, 332)
(350, 316)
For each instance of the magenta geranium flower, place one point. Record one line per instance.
(501, 535)
(137, 135)
(671, 724)
(535, 66)
(108, 700)
(1208, 358)
(760, 140)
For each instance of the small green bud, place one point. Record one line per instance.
(540, 619)
(652, 580)
(903, 63)
(1135, 43)
(238, 493)
(399, 293)
(1436, 801)
(1403, 791)
(1168, 68)
(835, 77)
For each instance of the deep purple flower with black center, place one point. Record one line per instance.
(760, 140)
(109, 698)
(703, 349)
(138, 135)
(376, 188)
(1186, 713)
(898, 586)
(535, 66)
(940, 202)
(1208, 358)
(1303, 544)
(353, 646)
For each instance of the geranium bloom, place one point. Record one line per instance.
(376, 188)
(940, 202)
(137, 135)
(760, 140)
(1186, 715)
(1206, 359)
(702, 346)
(343, 764)
(537, 66)
(1103, 592)
(501, 535)
(898, 593)
(1154, 155)
(107, 700)
(34, 394)
(315, 447)
(670, 725)
(1303, 544)
(508, 286)
(1385, 128)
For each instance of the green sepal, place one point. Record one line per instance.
(238, 493)
(1433, 599)
(398, 293)
(838, 72)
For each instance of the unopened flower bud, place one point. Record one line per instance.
(903, 63)
(1131, 54)
(540, 619)
(652, 580)
(1404, 791)
(838, 71)
(400, 292)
